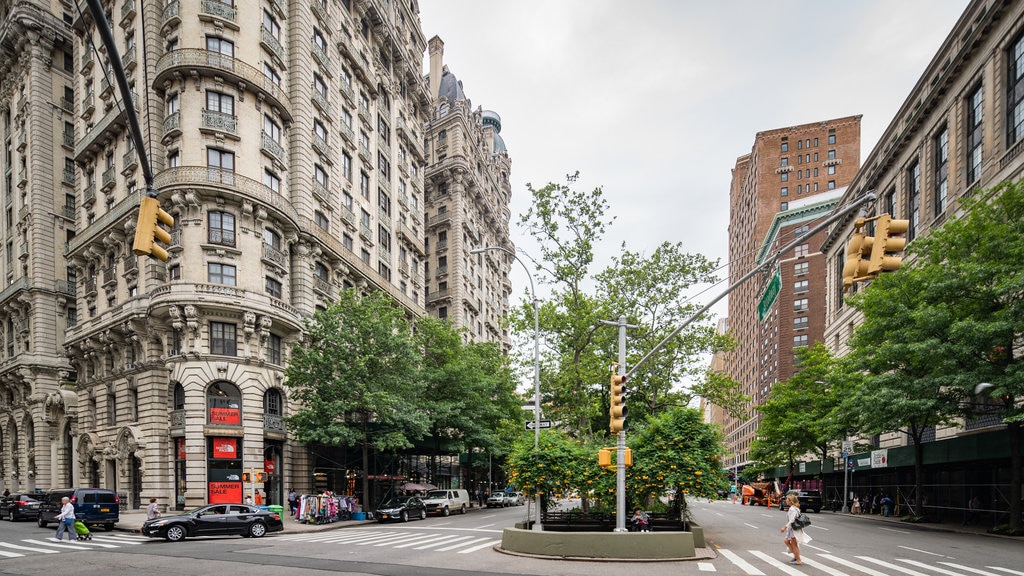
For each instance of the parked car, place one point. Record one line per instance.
(446, 501)
(497, 500)
(809, 500)
(215, 520)
(517, 499)
(93, 506)
(19, 506)
(401, 508)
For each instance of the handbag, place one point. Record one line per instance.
(69, 521)
(800, 522)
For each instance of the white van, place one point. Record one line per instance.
(446, 501)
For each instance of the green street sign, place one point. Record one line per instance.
(771, 292)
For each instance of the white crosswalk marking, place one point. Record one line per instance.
(932, 568)
(705, 566)
(1007, 570)
(791, 570)
(10, 554)
(891, 565)
(433, 544)
(430, 538)
(823, 567)
(968, 569)
(29, 548)
(488, 544)
(460, 545)
(740, 563)
(849, 564)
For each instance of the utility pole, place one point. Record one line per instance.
(620, 447)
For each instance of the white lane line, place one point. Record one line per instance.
(423, 540)
(929, 567)
(857, 567)
(823, 567)
(792, 570)
(1007, 570)
(461, 544)
(440, 542)
(705, 566)
(488, 544)
(891, 566)
(896, 531)
(751, 525)
(488, 516)
(740, 562)
(484, 526)
(29, 548)
(767, 515)
(926, 552)
(968, 569)
(716, 514)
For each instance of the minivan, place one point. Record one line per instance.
(93, 506)
(445, 501)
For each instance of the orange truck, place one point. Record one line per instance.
(760, 494)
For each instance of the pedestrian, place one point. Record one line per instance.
(886, 506)
(248, 499)
(293, 500)
(66, 521)
(259, 498)
(153, 510)
(7, 492)
(973, 508)
(876, 503)
(855, 509)
(794, 536)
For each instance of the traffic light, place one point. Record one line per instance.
(604, 458)
(259, 477)
(617, 412)
(148, 231)
(885, 244)
(856, 267)
(246, 477)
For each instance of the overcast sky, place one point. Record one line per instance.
(653, 100)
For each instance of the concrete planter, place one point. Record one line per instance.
(611, 545)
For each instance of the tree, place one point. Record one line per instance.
(561, 464)
(977, 278)
(354, 377)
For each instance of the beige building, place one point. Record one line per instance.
(287, 140)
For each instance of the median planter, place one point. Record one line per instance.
(607, 545)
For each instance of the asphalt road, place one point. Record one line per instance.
(747, 541)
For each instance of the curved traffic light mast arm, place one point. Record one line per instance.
(867, 197)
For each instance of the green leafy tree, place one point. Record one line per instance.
(561, 464)
(354, 377)
(977, 280)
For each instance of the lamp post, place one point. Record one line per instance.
(536, 363)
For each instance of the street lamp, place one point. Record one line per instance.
(536, 362)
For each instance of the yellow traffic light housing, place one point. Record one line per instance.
(885, 244)
(856, 267)
(604, 458)
(617, 411)
(246, 477)
(259, 477)
(148, 231)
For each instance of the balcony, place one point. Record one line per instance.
(348, 134)
(214, 121)
(348, 217)
(88, 104)
(320, 11)
(322, 286)
(325, 63)
(438, 295)
(66, 287)
(321, 103)
(171, 15)
(273, 423)
(275, 256)
(438, 219)
(383, 147)
(110, 127)
(403, 165)
(87, 62)
(22, 141)
(364, 153)
(321, 148)
(67, 105)
(441, 246)
(172, 125)
(271, 44)
(177, 422)
(225, 181)
(68, 211)
(127, 13)
(69, 141)
(109, 179)
(218, 10)
(69, 176)
(108, 276)
(347, 91)
(364, 115)
(272, 148)
(89, 195)
(129, 59)
(365, 232)
(322, 193)
(129, 161)
(384, 217)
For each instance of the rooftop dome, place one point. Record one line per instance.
(491, 118)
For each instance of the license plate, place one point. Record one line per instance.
(104, 509)
(384, 516)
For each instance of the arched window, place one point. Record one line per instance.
(179, 396)
(30, 434)
(272, 402)
(224, 404)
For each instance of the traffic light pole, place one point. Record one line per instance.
(867, 197)
(620, 446)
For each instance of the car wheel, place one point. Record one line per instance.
(445, 511)
(40, 522)
(423, 514)
(257, 529)
(463, 510)
(10, 515)
(404, 517)
(108, 527)
(175, 533)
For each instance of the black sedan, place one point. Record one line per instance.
(19, 507)
(401, 508)
(215, 520)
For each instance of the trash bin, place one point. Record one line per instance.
(263, 507)
(276, 508)
(359, 515)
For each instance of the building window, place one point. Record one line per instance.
(220, 273)
(784, 192)
(831, 169)
(318, 39)
(364, 255)
(975, 117)
(913, 199)
(271, 74)
(442, 312)
(220, 46)
(319, 130)
(801, 286)
(831, 135)
(802, 250)
(364, 185)
(220, 165)
(223, 399)
(785, 161)
(272, 181)
(271, 238)
(174, 272)
(800, 322)
(320, 272)
(272, 401)
(222, 338)
(274, 349)
(801, 268)
(222, 228)
(321, 220)
(271, 25)
(784, 206)
(270, 128)
(831, 184)
(273, 287)
(1015, 93)
(784, 176)
(220, 102)
(320, 175)
(346, 241)
(800, 304)
(800, 341)
(319, 85)
(346, 166)
(941, 170)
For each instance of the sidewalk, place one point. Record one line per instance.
(954, 527)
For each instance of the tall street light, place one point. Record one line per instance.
(536, 363)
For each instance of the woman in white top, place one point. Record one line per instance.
(794, 536)
(66, 520)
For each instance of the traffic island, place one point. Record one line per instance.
(676, 545)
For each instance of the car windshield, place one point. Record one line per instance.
(396, 502)
(437, 494)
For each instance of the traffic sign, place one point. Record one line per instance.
(532, 425)
(771, 292)
(847, 446)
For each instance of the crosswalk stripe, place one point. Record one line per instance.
(385, 540)
(884, 564)
(929, 567)
(791, 570)
(849, 564)
(416, 538)
(823, 567)
(488, 544)
(1007, 570)
(430, 537)
(29, 548)
(61, 545)
(460, 545)
(440, 542)
(95, 544)
(115, 540)
(740, 562)
(705, 566)
(10, 554)
(968, 569)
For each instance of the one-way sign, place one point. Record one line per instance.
(532, 425)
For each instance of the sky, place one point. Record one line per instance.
(654, 100)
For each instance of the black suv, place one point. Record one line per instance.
(809, 500)
(19, 506)
(93, 506)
